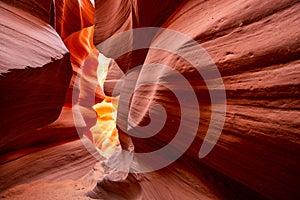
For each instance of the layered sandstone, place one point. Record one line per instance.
(255, 45)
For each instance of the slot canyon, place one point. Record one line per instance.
(154, 100)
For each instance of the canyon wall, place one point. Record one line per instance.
(35, 76)
(43, 46)
(255, 46)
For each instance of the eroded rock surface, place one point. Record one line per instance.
(35, 75)
(254, 44)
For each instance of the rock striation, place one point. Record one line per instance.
(255, 46)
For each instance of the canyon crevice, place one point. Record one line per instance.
(49, 120)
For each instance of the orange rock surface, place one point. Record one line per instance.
(45, 108)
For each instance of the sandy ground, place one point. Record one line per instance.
(67, 189)
(66, 172)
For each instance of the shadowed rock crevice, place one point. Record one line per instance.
(45, 45)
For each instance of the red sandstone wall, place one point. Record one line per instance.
(255, 46)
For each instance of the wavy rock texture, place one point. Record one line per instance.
(35, 74)
(67, 174)
(40, 9)
(254, 44)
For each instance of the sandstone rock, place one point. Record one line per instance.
(35, 75)
(255, 46)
